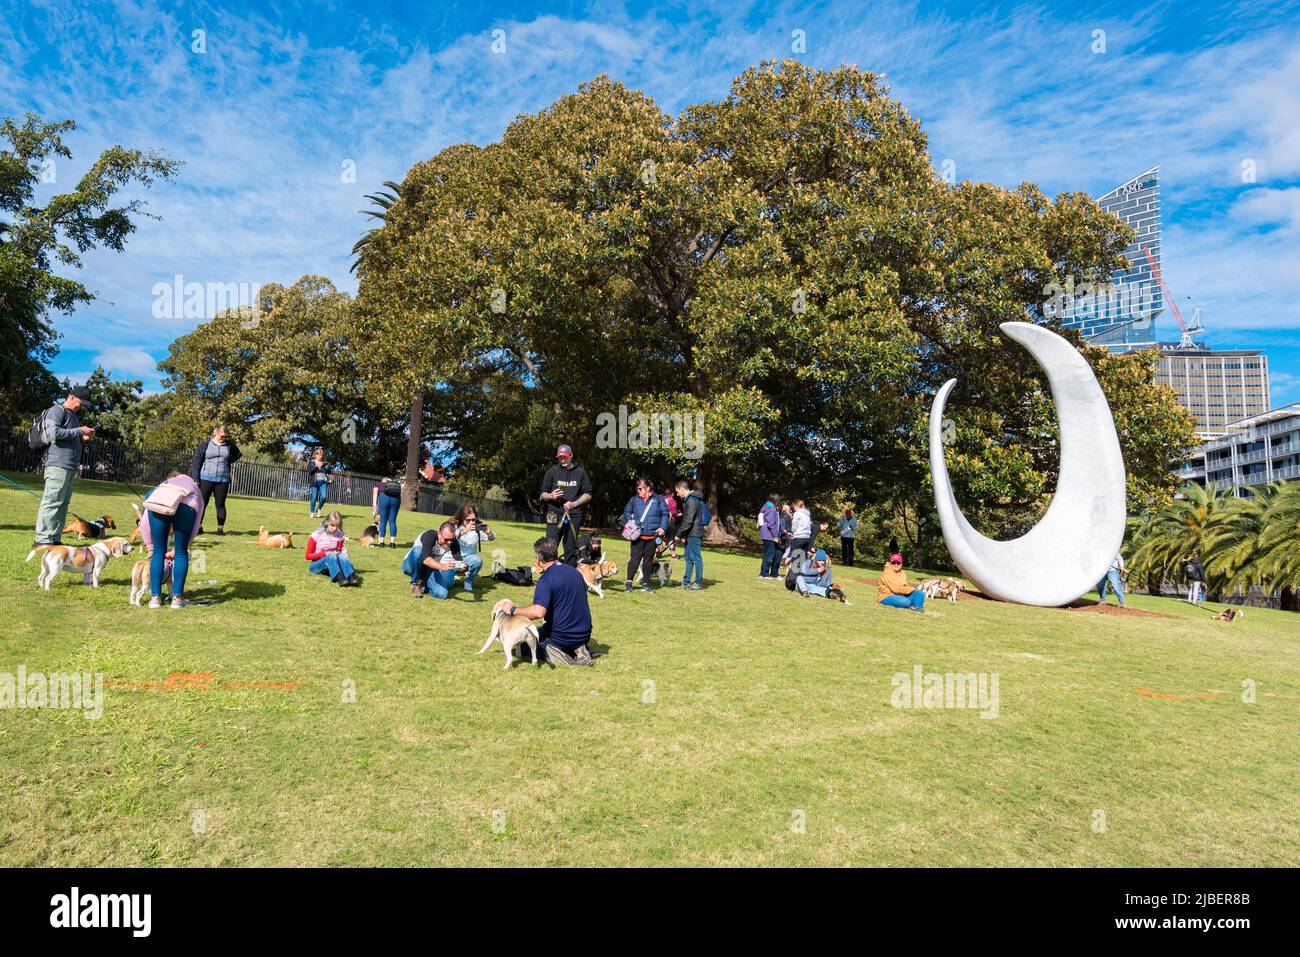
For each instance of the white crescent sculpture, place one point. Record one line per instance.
(1071, 547)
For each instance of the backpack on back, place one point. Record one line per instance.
(706, 517)
(36, 434)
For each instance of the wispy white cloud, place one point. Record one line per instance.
(266, 118)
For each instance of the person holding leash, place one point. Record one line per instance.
(566, 490)
(645, 518)
(560, 598)
(62, 434)
(213, 458)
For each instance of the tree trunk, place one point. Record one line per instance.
(414, 444)
(716, 533)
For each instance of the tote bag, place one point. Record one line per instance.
(632, 530)
(165, 499)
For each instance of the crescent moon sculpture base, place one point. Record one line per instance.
(1070, 548)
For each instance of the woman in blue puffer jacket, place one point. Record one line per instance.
(648, 511)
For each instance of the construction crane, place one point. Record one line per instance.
(1188, 331)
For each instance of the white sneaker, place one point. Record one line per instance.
(179, 602)
(155, 602)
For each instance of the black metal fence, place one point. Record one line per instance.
(141, 469)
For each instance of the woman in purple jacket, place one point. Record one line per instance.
(770, 532)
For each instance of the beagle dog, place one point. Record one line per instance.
(93, 530)
(88, 560)
(512, 631)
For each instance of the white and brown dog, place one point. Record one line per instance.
(140, 576)
(593, 573)
(665, 554)
(282, 540)
(88, 561)
(512, 631)
(942, 588)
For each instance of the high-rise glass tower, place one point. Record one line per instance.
(1120, 312)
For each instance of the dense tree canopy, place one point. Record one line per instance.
(784, 260)
(35, 240)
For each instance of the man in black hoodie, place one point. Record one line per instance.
(565, 490)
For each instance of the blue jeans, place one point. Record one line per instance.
(440, 583)
(387, 506)
(914, 600)
(319, 491)
(1113, 580)
(810, 587)
(178, 526)
(335, 565)
(694, 559)
(771, 559)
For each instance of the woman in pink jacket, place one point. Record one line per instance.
(154, 530)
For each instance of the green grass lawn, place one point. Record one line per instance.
(736, 725)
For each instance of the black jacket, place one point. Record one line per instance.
(689, 525)
(1193, 570)
(201, 451)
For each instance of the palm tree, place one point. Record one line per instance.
(1278, 547)
(1231, 542)
(415, 438)
(1184, 527)
(385, 202)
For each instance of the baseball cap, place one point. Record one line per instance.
(80, 392)
(821, 555)
(563, 450)
(896, 558)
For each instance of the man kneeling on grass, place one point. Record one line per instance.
(561, 598)
(894, 589)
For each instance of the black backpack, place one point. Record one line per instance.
(36, 434)
(791, 577)
(520, 575)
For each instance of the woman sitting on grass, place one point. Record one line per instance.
(894, 589)
(328, 554)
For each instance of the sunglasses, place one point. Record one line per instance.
(897, 564)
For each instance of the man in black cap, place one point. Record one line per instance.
(63, 434)
(565, 490)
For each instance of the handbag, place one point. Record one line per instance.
(631, 529)
(165, 499)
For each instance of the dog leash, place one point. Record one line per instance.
(38, 498)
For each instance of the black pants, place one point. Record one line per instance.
(568, 533)
(643, 554)
(219, 489)
(846, 551)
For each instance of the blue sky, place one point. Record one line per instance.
(284, 96)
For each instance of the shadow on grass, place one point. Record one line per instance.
(238, 588)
